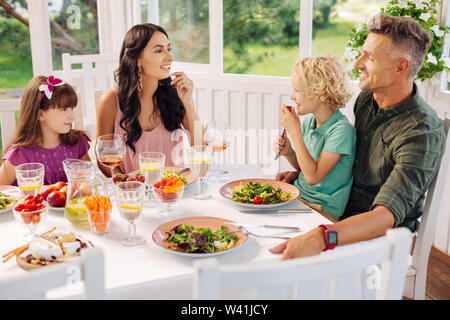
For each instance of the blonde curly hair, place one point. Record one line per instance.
(325, 79)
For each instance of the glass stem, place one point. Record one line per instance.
(131, 230)
(200, 185)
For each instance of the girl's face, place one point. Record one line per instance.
(299, 96)
(156, 58)
(57, 120)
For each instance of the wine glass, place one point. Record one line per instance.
(31, 220)
(199, 158)
(129, 197)
(217, 137)
(151, 165)
(30, 178)
(110, 150)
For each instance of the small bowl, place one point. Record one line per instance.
(168, 195)
(31, 219)
(99, 221)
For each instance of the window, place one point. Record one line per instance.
(73, 27)
(187, 24)
(333, 21)
(260, 36)
(15, 52)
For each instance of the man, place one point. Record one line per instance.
(400, 142)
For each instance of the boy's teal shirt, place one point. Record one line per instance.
(336, 135)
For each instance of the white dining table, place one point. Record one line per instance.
(149, 271)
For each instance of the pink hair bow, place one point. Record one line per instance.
(47, 86)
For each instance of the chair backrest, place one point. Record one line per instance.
(8, 108)
(427, 227)
(96, 73)
(333, 275)
(34, 284)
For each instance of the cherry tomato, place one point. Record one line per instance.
(157, 185)
(29, 204)
(257, 200)
(164, 181)
(40, 206)
(36, 218)
(38, 198)
(29, 197)
(19, 207)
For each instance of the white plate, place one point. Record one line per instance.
(56, 209)
(226, 191)
(159, 235)
(9, 191)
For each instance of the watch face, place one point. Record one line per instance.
(332, 237)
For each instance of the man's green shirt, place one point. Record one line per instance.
(398, 152)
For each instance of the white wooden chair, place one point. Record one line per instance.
(417, 272)
(34, 284)
(96, 73)
(333, 275)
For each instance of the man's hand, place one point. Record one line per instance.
(287, 176)
(309, 244)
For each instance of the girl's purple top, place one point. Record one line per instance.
(51, 158)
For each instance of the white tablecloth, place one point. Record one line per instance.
(149, 271)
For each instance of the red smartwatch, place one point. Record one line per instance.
(331, 236)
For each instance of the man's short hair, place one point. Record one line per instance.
(407, 35)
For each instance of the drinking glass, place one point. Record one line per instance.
(199, 159)
(30, 178)
(217, 137)
(151, 165)
(110, 150)
(129, 197)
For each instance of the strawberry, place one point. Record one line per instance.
(139, 177)
(120, 177)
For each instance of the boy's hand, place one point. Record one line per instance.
(287, 176)
(289, 120)
(282, 145)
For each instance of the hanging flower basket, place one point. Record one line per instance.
(425, 12)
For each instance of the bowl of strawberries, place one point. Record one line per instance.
(168, 191)
(30, 212)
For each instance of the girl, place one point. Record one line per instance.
(44, 131)
(146, 106)
(324, 144)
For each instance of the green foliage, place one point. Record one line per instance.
(423, 12)
(15, 36)
(250, 23)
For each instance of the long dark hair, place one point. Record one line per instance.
(165, 99)
(28, 130)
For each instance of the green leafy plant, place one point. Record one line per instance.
(425, 12)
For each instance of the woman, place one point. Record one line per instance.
(146, 106)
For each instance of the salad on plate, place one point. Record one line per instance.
(259, 193)
(189, 239)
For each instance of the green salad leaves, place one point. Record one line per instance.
(5, 201)
(259, 193)
(200, 240)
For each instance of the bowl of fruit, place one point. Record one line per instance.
(168, 191)
(55, 195)
(30, 213)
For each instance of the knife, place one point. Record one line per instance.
(305, 210)
(268, 226)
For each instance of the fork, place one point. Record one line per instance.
(255, 235)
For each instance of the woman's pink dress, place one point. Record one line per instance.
(159, 140)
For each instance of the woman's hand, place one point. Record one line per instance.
(290, 120)
(282, 145)
(184, 86)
